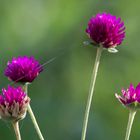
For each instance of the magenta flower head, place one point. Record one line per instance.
(13, 103)
(23, 69)
(130, 97)
(106, 30)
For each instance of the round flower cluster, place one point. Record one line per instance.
(106, 30)
(23, 69)
(13, 103)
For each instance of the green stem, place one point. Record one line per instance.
(91, 90)
(130, 122)
(16, 129)
(33, 116)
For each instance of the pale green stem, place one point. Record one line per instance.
(91, 90)
(16, 129)
(130, 122)
(33, 116)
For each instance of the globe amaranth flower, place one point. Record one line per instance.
(23, 69)
(106, 30)
(130, 97)
(13, 103)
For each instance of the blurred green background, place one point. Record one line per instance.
(56, 28)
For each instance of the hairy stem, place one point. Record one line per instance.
(16, 129)
(130, 122)
(33, 116)
(91, 90)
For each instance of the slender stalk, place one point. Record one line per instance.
(130, 122)
(33, 116)
(91, 90)
(16, 129)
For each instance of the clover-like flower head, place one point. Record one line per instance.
(130, 97)
(13, 103)
(23, 69)
(106, 30)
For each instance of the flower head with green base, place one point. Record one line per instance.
(130, 97)
(106, 30)
(23, 69)
(13, 103)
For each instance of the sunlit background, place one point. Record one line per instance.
(49, 29)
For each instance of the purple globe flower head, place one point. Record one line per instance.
(106, 30)
(13, 103)
(130, 97)
(23, 69)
